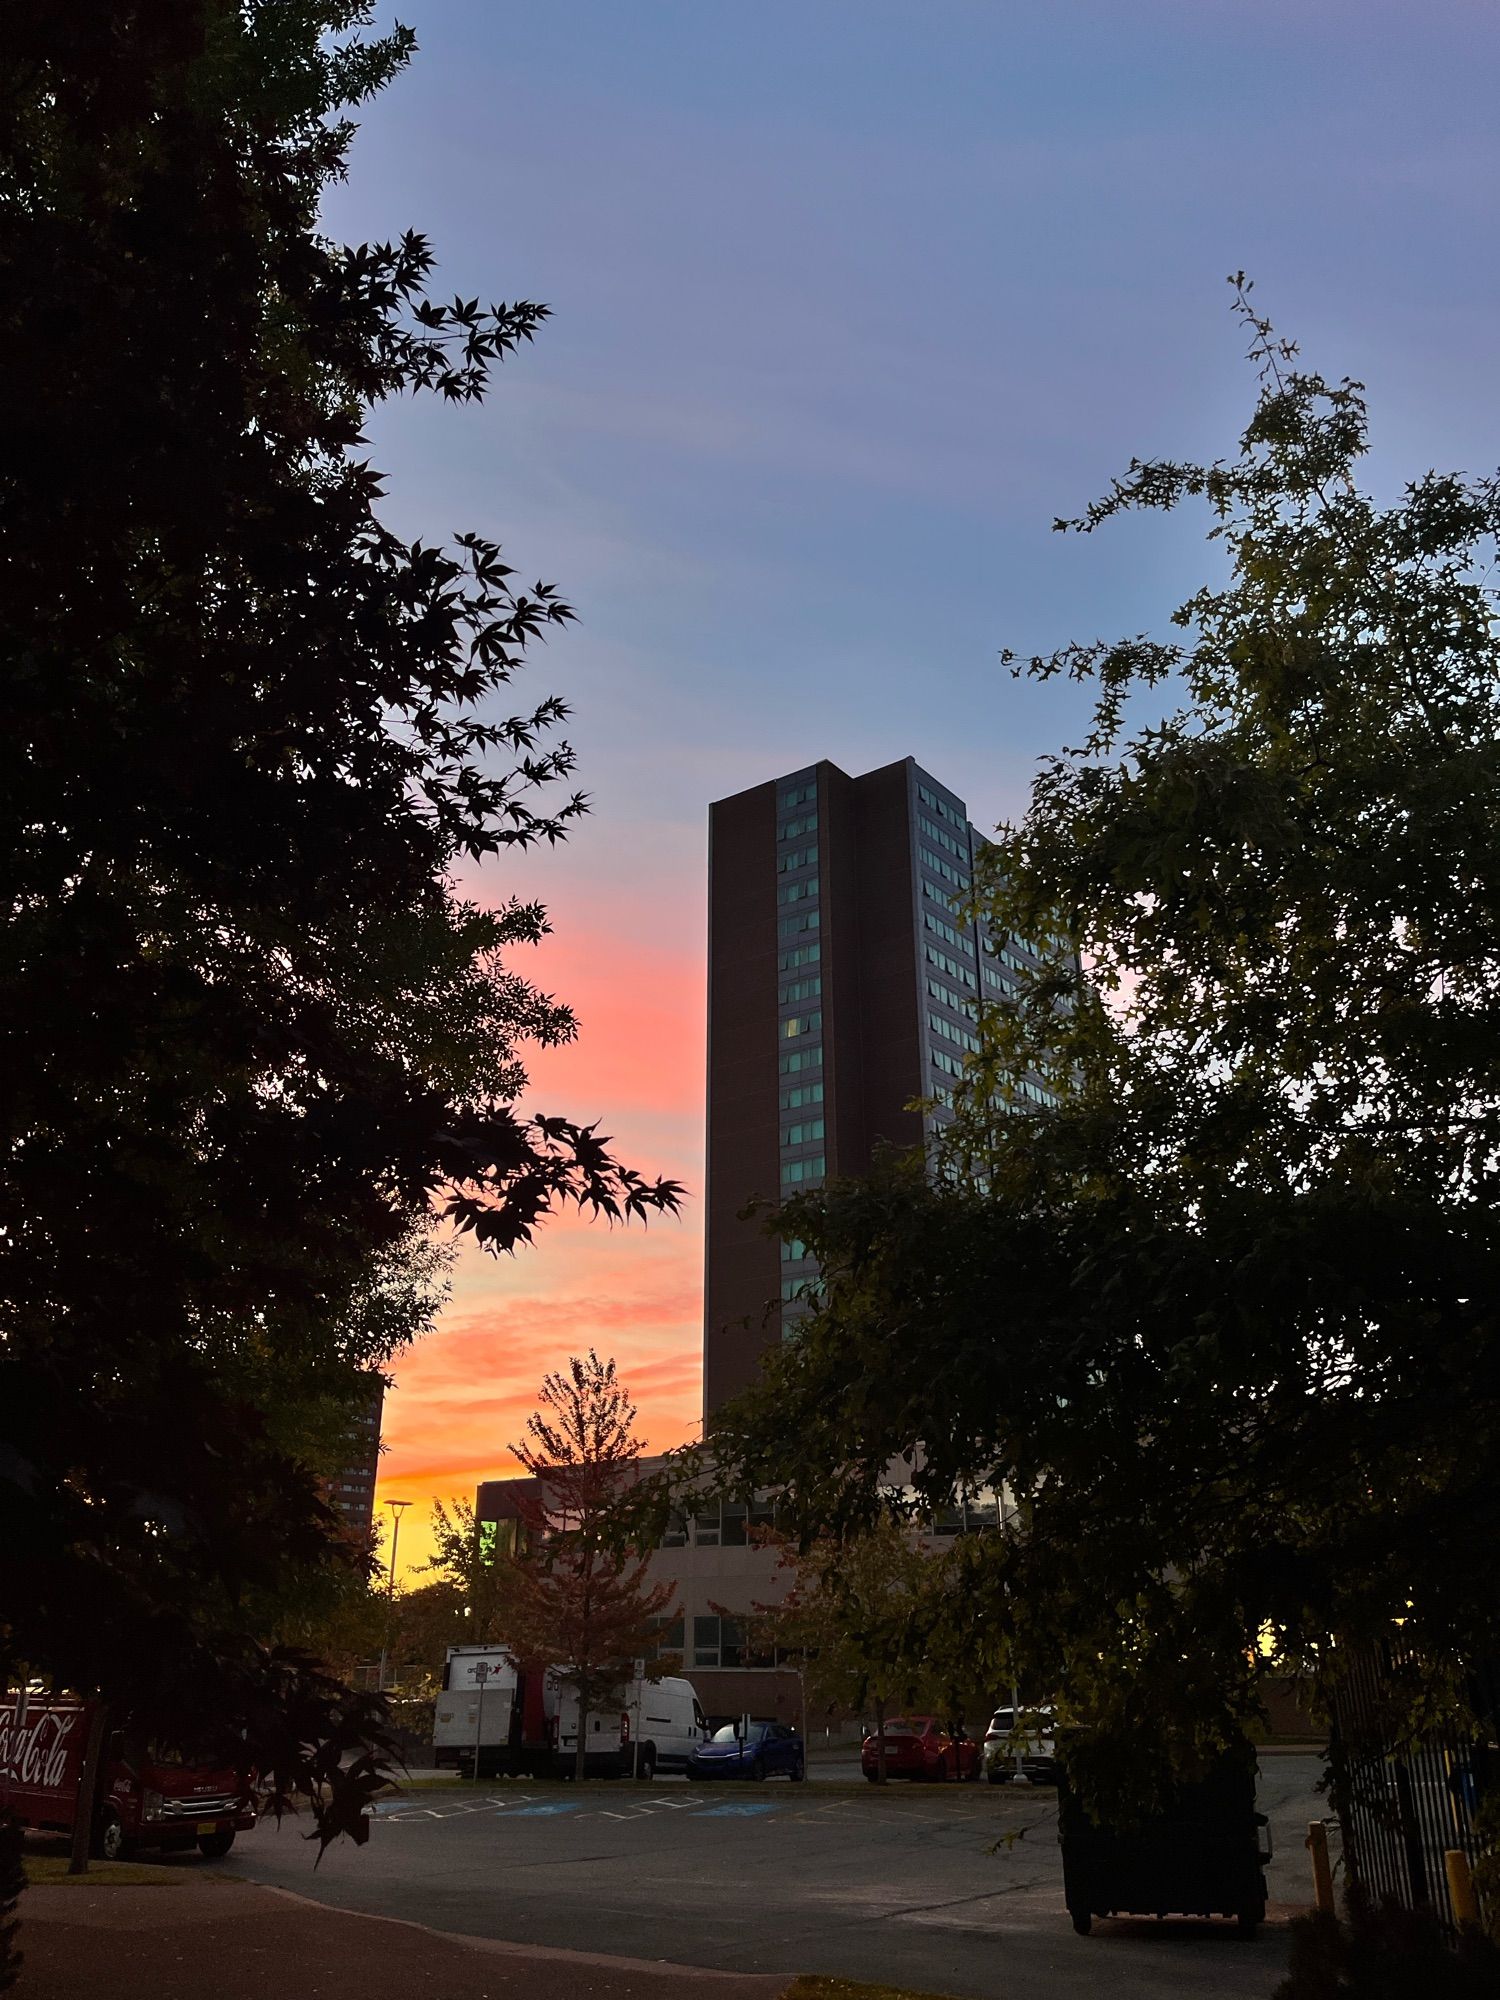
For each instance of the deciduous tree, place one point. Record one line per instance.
(580, 1604)
(251, 1034)
(1225, 1317)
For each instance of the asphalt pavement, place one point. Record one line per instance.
(955, 1888)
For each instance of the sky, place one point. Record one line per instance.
(851, 299)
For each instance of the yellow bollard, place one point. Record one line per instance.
(1460, 1886)
(1317, 1847)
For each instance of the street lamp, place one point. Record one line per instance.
(398, 1508)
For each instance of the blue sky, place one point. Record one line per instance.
(850, 301)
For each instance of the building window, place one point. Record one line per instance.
(949, 1065)
(800, 857)
(793, 1171)
(706, 1530)
(800, 989)
(667, 1637)
(798, 892)
(794, 1251)
(801, 1059)
(802, 954)
(938, 989)
(793, 829)
(798, 795)
(800, 1024)
(959, 877)
(803, 1134)
(942, 930)
(800, 1094)
(790, 927)
(946, 1028)
(734, 1518)
(717, 1642)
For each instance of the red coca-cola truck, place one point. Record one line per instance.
(144, 1798)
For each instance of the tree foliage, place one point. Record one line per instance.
(1225, 1318)
(250, 1033)
(579, 1604)
(857, 1614)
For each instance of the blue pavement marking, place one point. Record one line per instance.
(737, 1812)
(533, 1812)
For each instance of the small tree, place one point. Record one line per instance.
(465, 1559)
(576, 1603)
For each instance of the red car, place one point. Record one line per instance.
(921, 1747)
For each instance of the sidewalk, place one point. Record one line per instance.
(238, 1941)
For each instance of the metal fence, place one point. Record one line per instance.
(1402, 1808)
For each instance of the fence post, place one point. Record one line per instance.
(1322, 1871)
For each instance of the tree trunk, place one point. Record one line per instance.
(88, 1790)
(880, 1741)
(580, 1757)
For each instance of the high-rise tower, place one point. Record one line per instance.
(840, 986)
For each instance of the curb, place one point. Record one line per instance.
(770, 1982)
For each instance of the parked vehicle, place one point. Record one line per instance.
(146, 1798)
(1033, 1744)
(921, 1746)
(526, 1724)
(750, 1748)
(1202, 1857)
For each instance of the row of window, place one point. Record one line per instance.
(941, 807)
(793, 829)
(939, 1026)
(949, 1065)
(945, 931)
(937, 989)
(802, 954)
(798, 892)
(996, 984)
(799, 857)
(798, 795)
(813, 1169)
(794, 1251)
(803, 1134)
(796, 1025)
(949, 965)
(800, 989)
(720, 1524)
(800, 1059)
(959, 877)
(800, 1094)
(958, 849)
(797, 926)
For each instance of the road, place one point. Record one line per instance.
(955, 1889)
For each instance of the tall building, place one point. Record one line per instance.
(353, 1489)
(841, 982)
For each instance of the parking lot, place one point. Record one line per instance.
(950, 1888)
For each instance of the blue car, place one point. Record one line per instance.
(757, 1750)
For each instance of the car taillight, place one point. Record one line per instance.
(624, 1727)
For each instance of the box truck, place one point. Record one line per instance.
(507, 1721)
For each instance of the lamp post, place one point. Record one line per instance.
(398, 1508)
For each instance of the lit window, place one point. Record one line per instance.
(801, 1024)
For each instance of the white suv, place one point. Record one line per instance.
(1034, 1747)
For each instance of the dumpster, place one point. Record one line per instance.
(1201, 1857)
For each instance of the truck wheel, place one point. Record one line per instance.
(1083, 1921)
(646, 1769)
(799, 1771)
(940, 1775)
(214, 1846)
(111, 1842)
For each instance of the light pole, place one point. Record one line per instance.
(398, 1508)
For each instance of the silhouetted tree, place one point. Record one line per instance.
(250, 1034)
(578, 1603)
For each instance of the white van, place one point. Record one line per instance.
(649, 1726)
(526, 1724)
